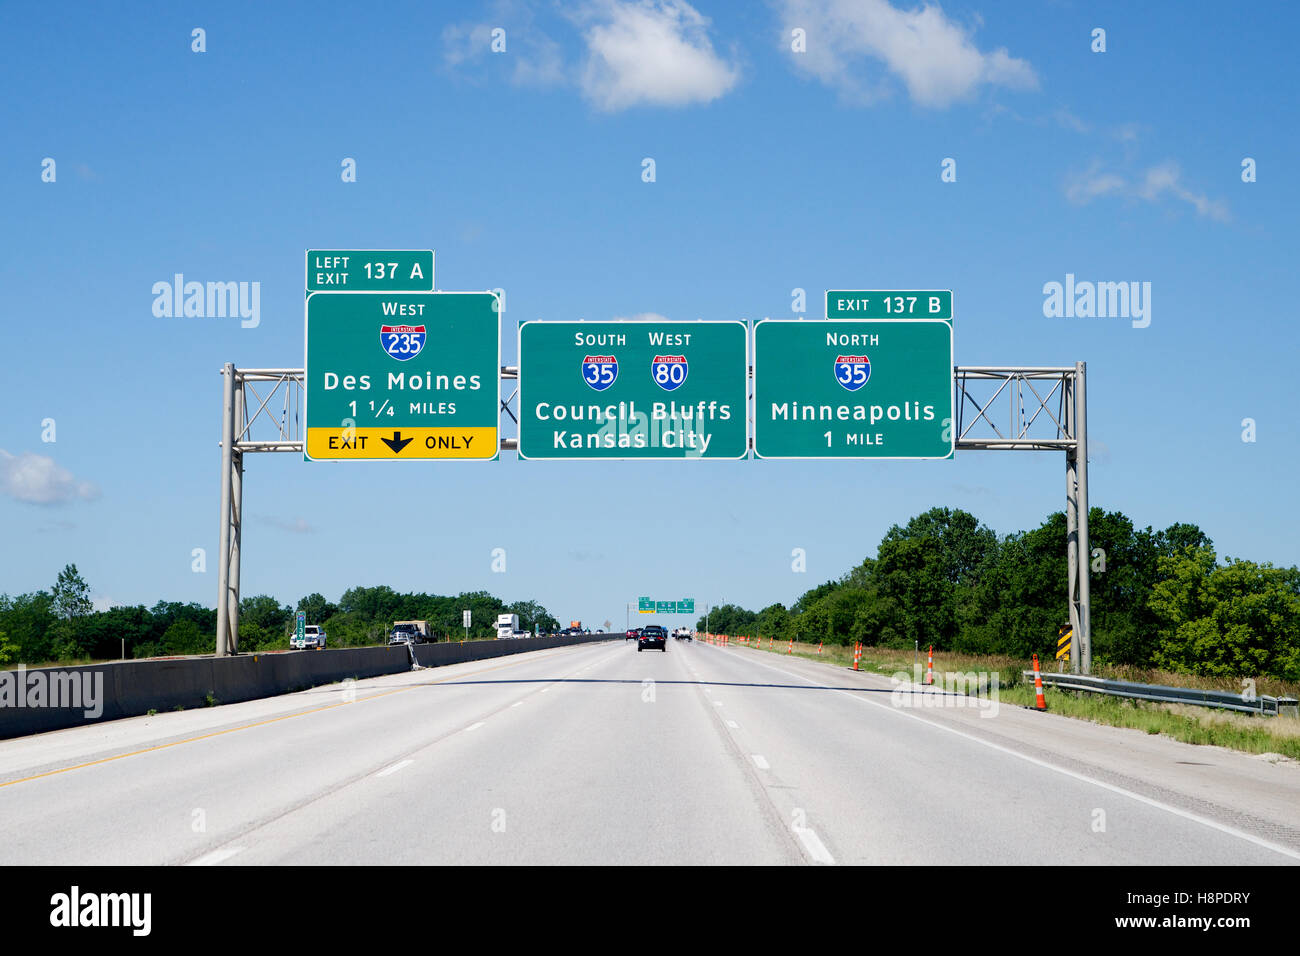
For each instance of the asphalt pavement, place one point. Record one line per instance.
(602, 754)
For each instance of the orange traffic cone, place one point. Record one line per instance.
(819, 647)
(790, 649)
(929, 667)
(857, 655)
(1040, 702)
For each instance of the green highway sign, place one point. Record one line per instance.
(645, 605)
(391, 376)
(853, 389)
(686, 606)
(633, 390)
(665, 607)
(369, 270)
(882, 305)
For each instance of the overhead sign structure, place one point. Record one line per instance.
(393, 376)
(853, 389)
(647, 605)
(369, 270)
(633, 390)
(886, 305)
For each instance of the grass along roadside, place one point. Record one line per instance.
(1193, 725)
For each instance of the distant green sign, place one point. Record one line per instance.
(645, 605)
(665, 607)
(883, 305)
(849, 389)
(369, 270)
(686, 606)
(633, 390)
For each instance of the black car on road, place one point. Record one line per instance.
(652, 636)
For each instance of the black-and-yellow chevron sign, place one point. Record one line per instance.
(1063, 642)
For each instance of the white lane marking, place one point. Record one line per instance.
(813, 843)
(545, 689)
(474, 726)
(217, 856)
(761, 762)
(394, 768)
(732, 724)
(717, 703)
(1084, 778)
(516, 703)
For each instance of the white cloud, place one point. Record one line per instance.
(642, 317)
(1167, 178)
(651, 52)
(37, 479)
(1083, 188)
(1159, 181)
(295, 526)
(531, 56)
(934, 57)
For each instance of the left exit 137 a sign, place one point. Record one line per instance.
(393, 376)
(369, 270)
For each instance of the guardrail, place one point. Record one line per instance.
(1221, 699)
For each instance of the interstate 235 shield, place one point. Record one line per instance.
(402, 342)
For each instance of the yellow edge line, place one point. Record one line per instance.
(260, 723)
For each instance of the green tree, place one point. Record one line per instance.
(318, 609)
(71, 594)
(27, 619)
(184, 637)
(268, 614)
(1240, 619)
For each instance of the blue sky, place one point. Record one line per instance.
(775, 170)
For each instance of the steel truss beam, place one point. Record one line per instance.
(1045, 410)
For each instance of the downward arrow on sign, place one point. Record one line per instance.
(397, 442)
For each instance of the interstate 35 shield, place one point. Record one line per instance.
(402, 342)
(852, 371)
(669, 371)
(599, 371)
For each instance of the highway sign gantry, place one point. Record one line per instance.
(393, 376)
(853, 389)
(632, 389)
(369, 270)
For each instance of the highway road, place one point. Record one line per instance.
(600, 754)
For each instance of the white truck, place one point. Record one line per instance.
(410, 632)
(508, 626)
(313, 635)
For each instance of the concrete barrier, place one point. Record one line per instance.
(98, 692)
